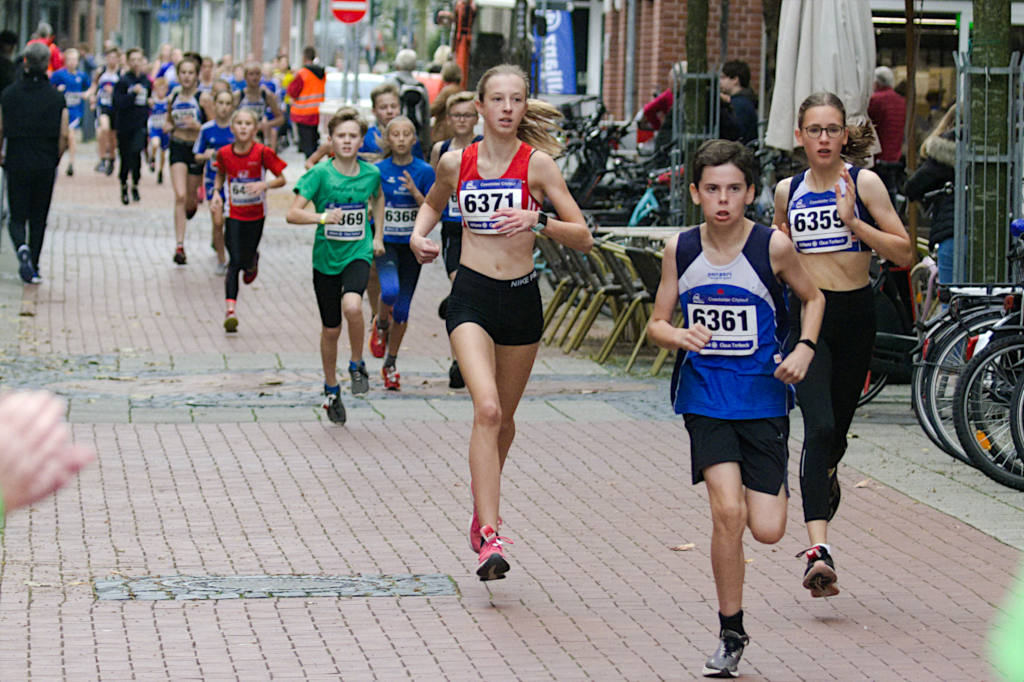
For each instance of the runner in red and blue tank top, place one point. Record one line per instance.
(494, 315)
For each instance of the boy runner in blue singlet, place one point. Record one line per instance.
(76, 87)
(730, 380)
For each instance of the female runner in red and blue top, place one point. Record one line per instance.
(494, 313)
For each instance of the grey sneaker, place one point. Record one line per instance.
(335, 410)
(726, 659)
(360, 380)
(25, 269)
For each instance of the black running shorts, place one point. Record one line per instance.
(761, 446)
(330, 288)
(509, 310)
(181, 152)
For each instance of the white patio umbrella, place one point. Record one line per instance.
(823, 45)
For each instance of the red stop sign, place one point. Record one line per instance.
(348, 11)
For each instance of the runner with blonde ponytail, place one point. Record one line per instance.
(494, 316)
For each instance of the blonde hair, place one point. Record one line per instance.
(246, 111)
(385, 144)
(945, 123)
(458, 98)
(541, 121)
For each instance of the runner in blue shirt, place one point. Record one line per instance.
(732, 380)
(159, 140)
(406, 181)
(76, 86)
(212, 136)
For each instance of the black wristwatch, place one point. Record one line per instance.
(542, 222)
(810, 344)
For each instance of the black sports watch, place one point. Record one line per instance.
(542, 222)
(810, 344)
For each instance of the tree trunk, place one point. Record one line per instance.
(771, 9)
(695, 103)
(989, 212)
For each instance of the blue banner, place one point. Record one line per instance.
(556, 55)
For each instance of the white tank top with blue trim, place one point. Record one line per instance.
(814, 223)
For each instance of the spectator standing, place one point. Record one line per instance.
(739, 103)
(44, 36)
(131, 114)
(34, 121)
(307, 93)
(451, 75)
(413, 98)
(888, 112)
(8, 44)
(938, 156)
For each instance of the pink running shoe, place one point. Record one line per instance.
(493, 565)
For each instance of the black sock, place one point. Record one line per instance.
(389, 361)
(733, 622)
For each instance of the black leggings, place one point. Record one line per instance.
(309, 139)
(828, 394)
(242, 238)
(130, 144)
(29, 193)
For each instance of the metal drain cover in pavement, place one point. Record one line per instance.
(269, 586)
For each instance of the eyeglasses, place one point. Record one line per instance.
(464, 117)
(832, 131)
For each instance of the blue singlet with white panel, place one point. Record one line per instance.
(743, 304)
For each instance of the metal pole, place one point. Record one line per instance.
(324, 14)
(909, 126)
(628, 100)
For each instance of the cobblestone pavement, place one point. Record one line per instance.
(214, 461)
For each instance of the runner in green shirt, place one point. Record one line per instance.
(335, 195)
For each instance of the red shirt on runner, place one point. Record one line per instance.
(240, 170)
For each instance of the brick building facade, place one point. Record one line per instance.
(661, 41)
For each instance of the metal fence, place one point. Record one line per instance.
(989, 156)
(697, 93)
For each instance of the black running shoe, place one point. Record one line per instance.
(335, 410)
(360, 380)
(124, 194)
(455, 379)
(70, 171)
(834, 493)
(160, 177)
(25, 269)
(726, 659)
(109, 170)
(442, 308)
(820, 575)
(135, 193)
(179, 255)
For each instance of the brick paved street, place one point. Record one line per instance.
(214, 461)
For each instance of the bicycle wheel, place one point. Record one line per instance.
(1017, 416)
(947, 362)
(935, 337)
(874, 384)
(982, 398)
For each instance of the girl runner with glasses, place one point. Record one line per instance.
(836, 214)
